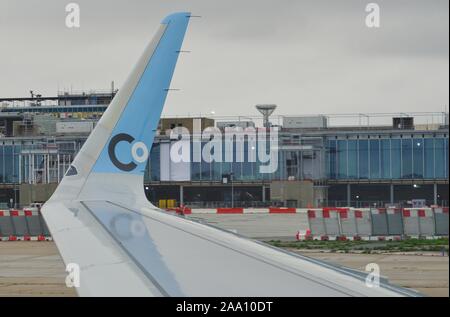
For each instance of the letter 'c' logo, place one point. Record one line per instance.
(138, 157)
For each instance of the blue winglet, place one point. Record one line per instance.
(132, 137)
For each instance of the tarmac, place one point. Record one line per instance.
(33, 268)
(258, 226)
(428, 273)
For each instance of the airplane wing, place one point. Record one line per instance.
(101, 220)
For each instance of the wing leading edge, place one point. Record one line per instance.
(101, 220)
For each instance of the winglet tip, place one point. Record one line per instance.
(176, 16)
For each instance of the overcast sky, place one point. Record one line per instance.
(308, 57)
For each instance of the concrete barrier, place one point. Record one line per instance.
(6, 226)
(347, 221)
(45, 230)
(419, 222)
(394, 221)
(230, 210)
(363, 220)
(324, 223)
(331, 220)
(441, 220)
(33, 222)
(426, 222)
(316, 222)
(23, 224)
(19, 223)
(379, 222)
(275, 210)
(411, 222)
(268, 210)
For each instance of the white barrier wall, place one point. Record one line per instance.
(394, 221)
(382, 222)
(363, 221)
(348, 222)
(379, 222)
(316, 222)
(324, 223)
(426, 222)
(331, 220)
(19, 223)
(418, 222)
(33, 222)
(22, 225)
(441, 221)
(6, 226)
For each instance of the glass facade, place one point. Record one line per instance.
(9, 163)
(207, 169)
(388, 158)
(363, 158)
(379, 158)
(352, 168)
(29, 162)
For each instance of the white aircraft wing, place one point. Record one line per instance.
(101, 220)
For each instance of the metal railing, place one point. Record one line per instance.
(378, 203)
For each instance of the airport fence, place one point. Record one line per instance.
(377, 223)
(379, 203)
(25, 224)
(330, 223)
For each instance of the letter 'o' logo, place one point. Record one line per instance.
(139, 157)
(139, 152)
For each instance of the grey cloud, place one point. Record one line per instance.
(307, 56)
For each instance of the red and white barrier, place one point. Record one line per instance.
(442, 221)
(180, 210)
(347, 221)
(230, 210)
(363, 222)
(418, 222)
(331, 220)
(395, 221)
(303, 235)
(316, 222)
(278, 210)
(238, 210)
(16, 213)
(21, 225)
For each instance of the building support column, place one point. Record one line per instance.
(435, 194)
(349, 195)
(181, 195)
(392, 193)
(264, 194)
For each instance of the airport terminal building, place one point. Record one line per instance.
(325, 160)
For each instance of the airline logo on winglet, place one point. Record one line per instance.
(139, 152)
(128, 147)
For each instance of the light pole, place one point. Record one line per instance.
(232, 190)
(229, 178)
(15, 189)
